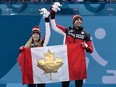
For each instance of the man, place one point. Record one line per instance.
(75, 34)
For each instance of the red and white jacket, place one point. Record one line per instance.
(72, 35)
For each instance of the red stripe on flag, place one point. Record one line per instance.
(76, 61)
(25, 63)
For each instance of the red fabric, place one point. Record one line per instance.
(25, 63)
(61, 27)
(76, 62)
(89, 43)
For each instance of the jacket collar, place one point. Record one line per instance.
(80, 28)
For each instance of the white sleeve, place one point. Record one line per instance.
(47, 33)
(55, 28)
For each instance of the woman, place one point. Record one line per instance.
(35, 39)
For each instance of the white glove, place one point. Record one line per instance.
(44, 12)
(56, 6)
(84, 45)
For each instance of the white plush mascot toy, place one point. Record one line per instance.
(44, 12)
(56, 6)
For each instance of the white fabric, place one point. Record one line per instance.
(38, 53)
(47, 32)
(55, 28)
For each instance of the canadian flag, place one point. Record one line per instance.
(52, 64)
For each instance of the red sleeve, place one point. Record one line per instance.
(90, 47)
(61, 27)
(58, 28)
